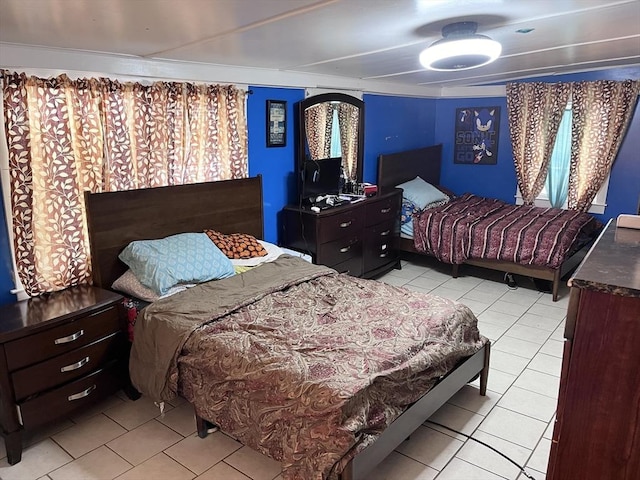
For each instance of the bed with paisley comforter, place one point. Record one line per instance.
(323, 372)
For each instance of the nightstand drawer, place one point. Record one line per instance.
(384, 209)
(339, 251)
(63, 400)
(64, 368)
(64, 338)
(341, 225)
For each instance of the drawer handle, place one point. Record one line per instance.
(385, 233)
(75, 366)
(82, 394)
(385, 210)
(345, 249)
(382, 255)
(70, 338)
(346, 224)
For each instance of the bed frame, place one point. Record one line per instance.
(115, 219)
(397, 168)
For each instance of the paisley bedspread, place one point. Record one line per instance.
(297, 361)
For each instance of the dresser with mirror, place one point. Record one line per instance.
(354, 235)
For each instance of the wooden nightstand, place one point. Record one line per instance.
(58, 352)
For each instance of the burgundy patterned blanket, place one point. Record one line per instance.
(298, 362)
(473, 227)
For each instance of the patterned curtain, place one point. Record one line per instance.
(348, 121)
(534, 111)
(318, 123)
(601, 114)
(68, 136)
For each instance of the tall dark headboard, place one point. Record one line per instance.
(117, 218)
(397, 168)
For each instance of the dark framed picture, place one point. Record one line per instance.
(476, 135)
(276, 123)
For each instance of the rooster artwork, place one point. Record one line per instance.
(476, 135)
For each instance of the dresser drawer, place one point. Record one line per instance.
(378, 245)
(66, 367)
(332, 253)
(64, 400)
(352, 267)
(341, 225)
(383, 209)
(64, 338)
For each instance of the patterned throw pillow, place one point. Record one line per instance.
(129, 284)
(182, 258)
(408, 210)
(237, 245)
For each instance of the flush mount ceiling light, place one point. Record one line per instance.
(460, 49)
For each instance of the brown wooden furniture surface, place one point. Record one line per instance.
(397, 168)
(117, 218)
(58, 352)
(357, 238)
(236, 206)
(597, 429)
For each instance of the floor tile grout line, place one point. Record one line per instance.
(470, 463)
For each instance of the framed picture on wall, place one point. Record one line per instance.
(476, 135)
(276, 123)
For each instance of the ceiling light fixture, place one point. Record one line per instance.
(460, 49)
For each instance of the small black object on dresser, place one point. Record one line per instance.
(357, 238)
(58, 352)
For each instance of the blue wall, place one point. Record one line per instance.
(393, 124)
(275, 164)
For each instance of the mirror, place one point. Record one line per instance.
(332, 125)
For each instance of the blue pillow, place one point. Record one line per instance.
(421, 193)
(182, 258)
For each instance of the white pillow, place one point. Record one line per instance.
(421, 193)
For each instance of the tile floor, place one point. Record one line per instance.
(131, 441)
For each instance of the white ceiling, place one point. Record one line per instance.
(342, 42)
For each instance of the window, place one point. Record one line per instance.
(557, 183)
(179, 133)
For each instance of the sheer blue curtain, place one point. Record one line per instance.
(558, 174)
(336, 147)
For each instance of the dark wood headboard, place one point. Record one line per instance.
(397, 168)
(117, 218)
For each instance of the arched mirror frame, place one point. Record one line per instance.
(302, 147)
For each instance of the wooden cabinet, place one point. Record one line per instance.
(357, 238)
(597, 429)
(58, 352)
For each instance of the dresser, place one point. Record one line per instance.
(357, 238)
(58, 352)
(597, 430)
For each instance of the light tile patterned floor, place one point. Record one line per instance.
(131, 441)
